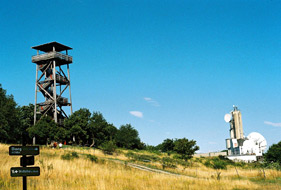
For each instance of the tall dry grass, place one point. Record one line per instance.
(81, 173)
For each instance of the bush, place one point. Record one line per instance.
(66, 156)
(219, 164)
(108, 147)
(168, 162)
(208, 164)
(216, 163)
(200, 160)
(274, 153)
(74, 155)
(141, 157)
(274, 165)
(92, 158)
(69, 156)
(130, 154)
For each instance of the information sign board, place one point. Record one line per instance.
(23, 150)
(25, 171)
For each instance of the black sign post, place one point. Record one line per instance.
(25, 160)
(24, 185)
(25, 171)
(28, 161)
(23, 150)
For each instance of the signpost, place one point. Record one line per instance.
(25, 160)
(28, 161)
(25, 171)
(23, 150)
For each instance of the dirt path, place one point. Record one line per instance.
(145, 168)
(148, 169)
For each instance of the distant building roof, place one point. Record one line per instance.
(49, 47)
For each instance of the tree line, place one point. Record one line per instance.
(92, 129)
(81, 128)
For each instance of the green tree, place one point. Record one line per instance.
(77, 125)
(108, 147)
(185, 148)
(274, 153)
(128, 137)
(167, 145)
(10, 128)
(46, 129)
(100, 130)
(26, 116)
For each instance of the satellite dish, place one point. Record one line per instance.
(258, 139)
(248, 146)
(256, 144)
(227, 118)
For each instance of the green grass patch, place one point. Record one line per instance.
(92, 158)
(142, 157)
(70, 156)
(262, 181)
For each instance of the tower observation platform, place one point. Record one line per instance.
(52, 60)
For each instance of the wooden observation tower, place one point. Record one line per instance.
(52, 60)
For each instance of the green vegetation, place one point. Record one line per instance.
(93, 130)
(70, 156)
(216, 163)
(141, 157)
(81, 128)
(92, 158)
(167, 145)
(86, 128)
(46, 129)
(108, 147)
(274, 153)
(10, 128)
(128, 137)
(168, 162)
(185, 148)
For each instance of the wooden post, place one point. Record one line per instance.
(35, 110)
(55, 91)
(68, 75)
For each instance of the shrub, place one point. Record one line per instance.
(108, 147)
(66, 156)
(274, 165)
(219, 164)
(69, 156)
(216, 163)
(130, 154)
(274, 153)
(141, 157)
(168, 162)
(74, 155)
(208, 164)
(92, 158)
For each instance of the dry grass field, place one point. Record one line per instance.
(107, 174)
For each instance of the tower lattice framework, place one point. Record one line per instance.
(52, 81)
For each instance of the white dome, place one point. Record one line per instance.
(256, 144)
(258, 139)
(248, 146)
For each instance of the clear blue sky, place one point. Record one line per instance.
(181, 65)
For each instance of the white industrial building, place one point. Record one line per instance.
(241, 148)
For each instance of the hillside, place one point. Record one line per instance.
(76, 168)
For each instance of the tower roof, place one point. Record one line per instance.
(49, 47)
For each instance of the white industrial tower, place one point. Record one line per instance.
(239, 147)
